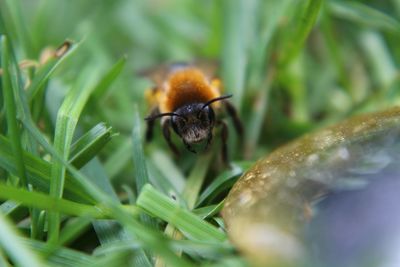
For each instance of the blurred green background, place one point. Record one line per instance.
(292, 66)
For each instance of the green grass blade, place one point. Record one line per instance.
(209, 211)
(379, 57)
(74, 228)
(61, 256)
(21, 31)
(109, 78)
(170, 170)
(306, 23)
(141, 175)
(238, 24)
(140, 171)
(166, 209)
(15, 249)
(89, 145)
(3, 260)
(44, 72)
(9, 101)
(42, 201)
(364, 15)
(196, 179)
(122, 155)
(223, 181)
(269, 15)
(67, 119)
(39, 172)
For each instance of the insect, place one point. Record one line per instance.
(188, 99)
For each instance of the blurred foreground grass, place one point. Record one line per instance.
(73, 167)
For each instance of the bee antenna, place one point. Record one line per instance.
(150, 118)
(209, 102)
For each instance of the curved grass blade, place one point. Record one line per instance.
(238, 20)
(307, 21)
(44, 72)
(42, 201)
(208, 211)
(140, 172)
(224, 181)
(166, 209)
(21, 31)
(88, 146)
(109, 78)
(39, 171)
(61, 256)
(15, 249)
(196, 179)
(67, 119)
(9, 102)
(364, 15)
(141, 175)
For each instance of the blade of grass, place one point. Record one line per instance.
(307, 22)
(20, 26)
(39, 172)
(172, 173)
(334, 49)
(43, 201)
(238, 24)
(226, 179)
(140, 171)
(270, 15)
(14, 210)
(44, 72)
(109, 78)
(166, 209)
(73, 229)
(159, 181)
(190, 194)
(67, 119)
(3, 261)
(364, 15)
(89, 145)
(196, 179)
(9, 102)
(61, 256)
(381, 62)
(139, 162)
(121, 156)
(15, 249)
(208, 211)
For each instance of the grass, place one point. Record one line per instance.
(71, 124)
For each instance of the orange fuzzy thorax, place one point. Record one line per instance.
(187, 86)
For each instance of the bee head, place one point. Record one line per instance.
(193, 122)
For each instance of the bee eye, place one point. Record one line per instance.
(203, 115)
(180, 122)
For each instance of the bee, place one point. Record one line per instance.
(188, 99)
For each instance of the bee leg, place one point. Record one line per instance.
(209, 139)
(150, 125)
(167, 136)
(224, 138)
(237, 123)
